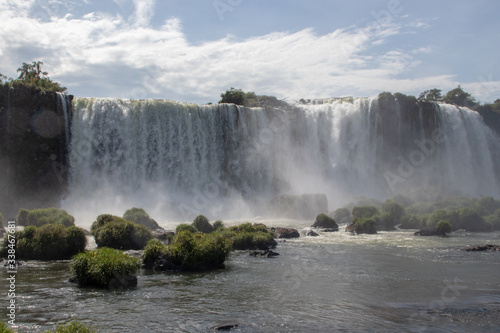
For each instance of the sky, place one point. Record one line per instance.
(192, 51)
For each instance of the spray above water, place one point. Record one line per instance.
(179, 160)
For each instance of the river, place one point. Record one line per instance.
(388, 282)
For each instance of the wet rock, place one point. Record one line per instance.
(311, 233)
(225, 327)
(162, 234)
(487, 247)
(430, 232)
(286, 232)
(264, 253)
(324, 221)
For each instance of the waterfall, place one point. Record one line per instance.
(180, 160)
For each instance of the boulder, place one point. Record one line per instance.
(305, 206)
(311, 233)
(487, 247)
(286, 232)
(163, 235)
(430, 232)
(324, 221)
(264, 253)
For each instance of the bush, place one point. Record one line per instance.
(494, 220)
(343, 215)
(218, 225)
(364, 212)
(115, 232)
(202, 225)
(39, 217)
(325, 221)
(185, 227)
(443, 226)
(199, 252)
(5, 329)
(139, 216)
(48, 242)
(73, 327)
(154, 249)
(365, 226)
(248, 237)
(104, 268)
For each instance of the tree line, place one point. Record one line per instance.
(33, 75)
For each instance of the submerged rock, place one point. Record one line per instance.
(311, 233)
(264, 253)
(487, 247)
(430, 232)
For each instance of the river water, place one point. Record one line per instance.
(389, 282)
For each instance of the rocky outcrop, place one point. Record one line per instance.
(264, 253)
(311, 233)
(286, 232)
(325, 223)
(430, 232)
(305, 206)
(487, 247)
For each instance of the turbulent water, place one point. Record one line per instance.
(179, 160)
(389, 282)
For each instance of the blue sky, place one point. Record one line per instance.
(193, 50)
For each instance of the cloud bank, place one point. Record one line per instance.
(98, 54)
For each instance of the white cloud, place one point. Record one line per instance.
(128, 58)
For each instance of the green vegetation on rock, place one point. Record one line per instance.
(39, 217)
(139, 216)
(105, 268)
(202, 224)
(73, 327)
(115, 232)
(48, 242)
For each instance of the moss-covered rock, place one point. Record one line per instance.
(324, 221)
(139, 216)
(115, 232)
(105, 268)
(39, 217)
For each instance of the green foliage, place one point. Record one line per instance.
(250, 99)
(199, 252)
(433, 95)
(343, 215)
(139, 216)
(365, 226)
(392, 212)
(218, 225)
(154, 248)
(494, 220)
(5, 329)
(100, 267)
(115, 232)
(363, 212)
(248, 237)
(325, 221)
(443, 226)
(202, 224)
(39, 217)
(48, 242)
(489, 204)
(73, 327)
(185, 227)
(32, 75)
(459, 97)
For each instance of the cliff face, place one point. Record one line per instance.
(33, 149)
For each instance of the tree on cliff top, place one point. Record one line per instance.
(32, 75)
(431, 95)
(459, 97)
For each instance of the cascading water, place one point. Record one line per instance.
(179, 160)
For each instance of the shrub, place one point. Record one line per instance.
(343, 215)
(248, 237)
(5, 329)
(365, 226)
(199, 252)
(139, 216)
(115, 232)
(105, 268)
(73, 327)
(325, 221)
(185, 227)
(154, 249)
(48, 242)
(494, 220)
(39, 217)
(202, 225)
(443, 226)
(218, 225)
(364, 212)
